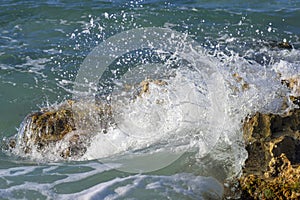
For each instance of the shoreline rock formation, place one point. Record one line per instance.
(272, 170)
(65, 128)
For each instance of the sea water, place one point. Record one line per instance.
(180, 141)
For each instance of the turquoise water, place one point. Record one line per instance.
(42, 47)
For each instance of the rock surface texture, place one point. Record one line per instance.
(272, 170)
(66, 127)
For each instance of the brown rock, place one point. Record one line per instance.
(285, 45)
(281, 181)
(242, 84)
(70, 125)
(145, 85)
(272, 170)
(280, 45)
(65, 123)
(293, 83)
(47, 126)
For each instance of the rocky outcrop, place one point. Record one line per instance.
(272, 170)
(293, 83)
(46, 126)
(281, 181)
(279, 45)
(67, 127)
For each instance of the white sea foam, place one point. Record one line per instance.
(132, 186)
(46, 188)
(149, 187)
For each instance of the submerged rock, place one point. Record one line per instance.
(272, 170)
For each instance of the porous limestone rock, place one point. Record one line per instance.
(272, 170)
(71, 124)
(281, 181)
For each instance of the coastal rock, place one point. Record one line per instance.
(285, 45)
(293, 83)
(66, 127)
(48, 125)
(280, 45)
(243, 85)
(145, 88)
(281, 181)
(272, 170)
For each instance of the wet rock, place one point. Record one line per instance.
(281, 181)
(280, 45)
(288, 146)
(284, 45)
(272, 170)
(144, 86)
(41, 128)
(67, 127)
(295, 100)
(293, 83)
(243, 84)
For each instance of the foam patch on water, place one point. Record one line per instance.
(148, 187)
(25, 182)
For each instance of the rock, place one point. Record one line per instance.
(295, 100)
(243, 84)
(280, 45)
(272, 170)
(293, 83)
(145, 86)
(284, 45)
(272, 141)
(49, 125)
(67, 126)
(281, 181)
(286, 145)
